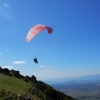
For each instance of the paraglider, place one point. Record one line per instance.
(35, 60)
(34, 31)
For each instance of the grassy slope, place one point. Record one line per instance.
(20, 87)
(15, 85)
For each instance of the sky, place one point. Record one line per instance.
(73, 49)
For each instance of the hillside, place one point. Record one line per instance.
(14, 86)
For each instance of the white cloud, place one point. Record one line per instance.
(41, 66)
(50, 66)
(6, 5)
(19, 62)
(9, 67)
(1, 53)
(43, 70)
(46, 70)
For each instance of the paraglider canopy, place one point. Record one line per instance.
(37, 29)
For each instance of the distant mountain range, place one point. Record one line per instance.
(85, 87)
(66, 79)
(80, 89)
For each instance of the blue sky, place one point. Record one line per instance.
(73, 49)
